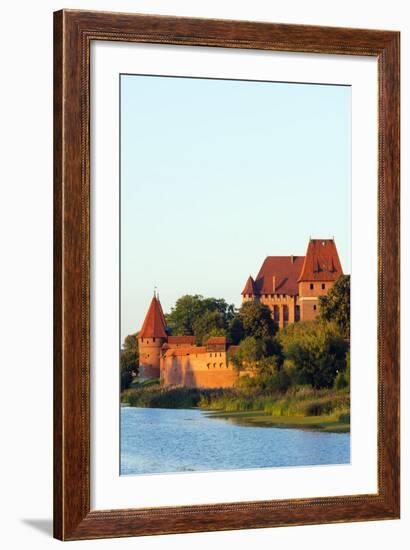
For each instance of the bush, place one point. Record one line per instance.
(315, 352)
(340, 381)
(316, 408)
(344, 417)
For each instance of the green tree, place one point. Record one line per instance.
(194, 315)
(316, 352)
(335, 305)
(250, 351)
(129, 360)
(236, 332)
(210, 323)
(257, 320)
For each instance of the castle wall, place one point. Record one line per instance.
(309, 298)
(284, 308)
(197, 370)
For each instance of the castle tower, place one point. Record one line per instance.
(249, 292)
(150, 339)
(321, 268)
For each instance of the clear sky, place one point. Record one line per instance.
(218, 174)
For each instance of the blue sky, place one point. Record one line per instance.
(218, 174)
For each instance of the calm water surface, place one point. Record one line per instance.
(183, 440)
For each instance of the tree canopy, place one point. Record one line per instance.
(335, 306)
(257, 321)
(128, 360)
(194, 315)
(315, 351)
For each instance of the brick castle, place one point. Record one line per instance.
(289, 285)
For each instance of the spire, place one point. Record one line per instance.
(154, 324)
(249, 287)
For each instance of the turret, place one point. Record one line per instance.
(249, 292)
(321, 269)
(150, 338)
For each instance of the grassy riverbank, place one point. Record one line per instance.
(300, 407)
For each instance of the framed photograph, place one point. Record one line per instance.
(226, 275)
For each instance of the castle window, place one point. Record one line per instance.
(220, 365)
(214, 365)
(311, 286)
(323, 286)
(153, 339)
(285, 315)
(276, 314)
(314, 308)
(297, 313)
(208, 365)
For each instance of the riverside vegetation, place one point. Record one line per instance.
(300, 375)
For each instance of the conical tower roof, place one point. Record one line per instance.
(249, 287)
(154, 323)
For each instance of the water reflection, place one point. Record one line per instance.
(181, 440)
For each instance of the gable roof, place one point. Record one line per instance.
(321, 262)
(285, 269)
(154, 323)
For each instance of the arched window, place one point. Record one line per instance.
(276, 314)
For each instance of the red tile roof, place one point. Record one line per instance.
(285, 269)
(233, 348)
(321, 262)
(154, 324)
(162, 312)
(249, 287)
(181, 340)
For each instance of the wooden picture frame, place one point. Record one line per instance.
(73, 33)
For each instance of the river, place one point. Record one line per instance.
(187, 440)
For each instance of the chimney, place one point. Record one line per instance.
(274, 284)
(292, 259)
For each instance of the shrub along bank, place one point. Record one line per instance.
(301, 406)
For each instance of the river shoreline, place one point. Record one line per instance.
(306, 410)
(324, 423)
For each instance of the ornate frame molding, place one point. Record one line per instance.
(73, 33)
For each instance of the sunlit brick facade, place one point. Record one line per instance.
(291, 285)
